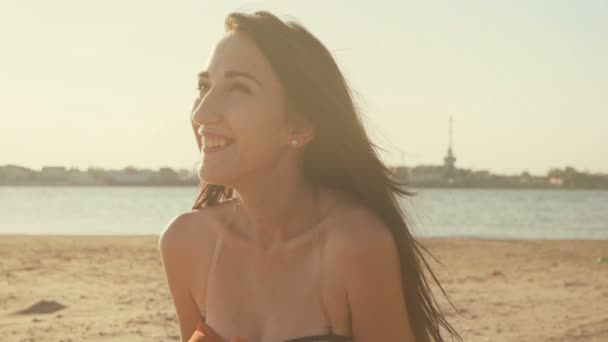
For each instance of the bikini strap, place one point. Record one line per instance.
(319, 254)
(211, 271)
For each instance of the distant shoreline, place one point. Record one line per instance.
(421, 176)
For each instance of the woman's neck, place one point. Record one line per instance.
(271, 215)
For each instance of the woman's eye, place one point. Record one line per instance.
(202, 86)
(240, 87)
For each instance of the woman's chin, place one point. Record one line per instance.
(212, 176)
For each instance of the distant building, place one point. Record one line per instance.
(557, 181)
(185, 175)
(14, 174)
(167, 174)
(80, 178)
(431, 175)
(449, 161)
(126, 176)
(426, 174)
(53, 173)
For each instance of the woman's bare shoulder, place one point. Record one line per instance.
(351, 220)
(193, 230)
(186, 246)
(353, 229)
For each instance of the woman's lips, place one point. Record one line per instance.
(213, 135)
(208, 149)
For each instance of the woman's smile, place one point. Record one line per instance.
(213, 143)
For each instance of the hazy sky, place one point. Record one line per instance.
(111, 83)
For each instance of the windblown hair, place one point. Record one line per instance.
(317, 91)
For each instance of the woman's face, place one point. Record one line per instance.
(239, 97)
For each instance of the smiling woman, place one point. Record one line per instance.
(296, 230)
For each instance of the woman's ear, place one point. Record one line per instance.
(300, 133)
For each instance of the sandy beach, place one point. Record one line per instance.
(112, 288)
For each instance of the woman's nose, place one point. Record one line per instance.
(206, 110)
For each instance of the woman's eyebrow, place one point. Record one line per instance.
(232, 74)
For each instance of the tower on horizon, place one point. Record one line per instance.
(449, 160)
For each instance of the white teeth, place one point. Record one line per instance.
(214, 142)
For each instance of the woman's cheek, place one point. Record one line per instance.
(242, 104)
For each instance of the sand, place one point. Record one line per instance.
(112, 288)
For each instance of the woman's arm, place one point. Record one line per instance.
(174, 246)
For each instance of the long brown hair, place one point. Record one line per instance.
(340, 156)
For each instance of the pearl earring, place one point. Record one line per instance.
(294, 142)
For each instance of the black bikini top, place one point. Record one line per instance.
(329, 337)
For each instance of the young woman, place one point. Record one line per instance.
(296, 234)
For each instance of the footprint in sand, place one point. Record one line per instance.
(42, 307)
(574, 283)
